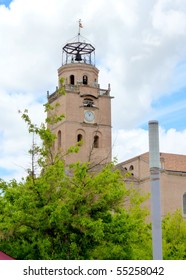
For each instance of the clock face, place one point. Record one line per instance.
(89, 116)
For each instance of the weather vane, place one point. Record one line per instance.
(80, 26)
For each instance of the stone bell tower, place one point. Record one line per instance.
(86, 106)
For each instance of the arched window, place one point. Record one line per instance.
(72, 79)
(87, 102)
(85, 80)
(59, 139)
(79, 137)
(96, 141)
(131, 167)
(184, 204)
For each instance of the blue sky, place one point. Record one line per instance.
(170, 110)
(5, 2)
(140, 51)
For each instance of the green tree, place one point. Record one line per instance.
(174, 236)
(76, 216)
(70, 212)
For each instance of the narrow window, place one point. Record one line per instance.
(184, 204)
(72, 79)
(96, 142)
(59, 139)
(79, 137)
(85, 80)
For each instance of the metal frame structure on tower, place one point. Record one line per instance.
(78, 51)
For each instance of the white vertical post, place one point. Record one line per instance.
(154, 160)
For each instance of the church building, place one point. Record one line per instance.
(87, 121)
(172, 179)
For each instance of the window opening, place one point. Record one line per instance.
(88, 103)
(59, 139)
(72, 79)
(79, 137)
(96, 142)
(85, 80)
(131, 167)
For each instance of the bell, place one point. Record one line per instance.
(78, 57)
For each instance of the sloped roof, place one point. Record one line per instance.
(4, 256)
(173, 162)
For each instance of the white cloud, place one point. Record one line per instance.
(140, 50)
(173, 141)
(169, 17)
(130, 143)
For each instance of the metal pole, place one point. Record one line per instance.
(154, 160)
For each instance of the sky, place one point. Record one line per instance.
(140, 51)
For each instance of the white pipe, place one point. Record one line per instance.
(154, 161)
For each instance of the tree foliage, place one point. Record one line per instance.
(69, 212)
(174, 236)
(78, 215)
